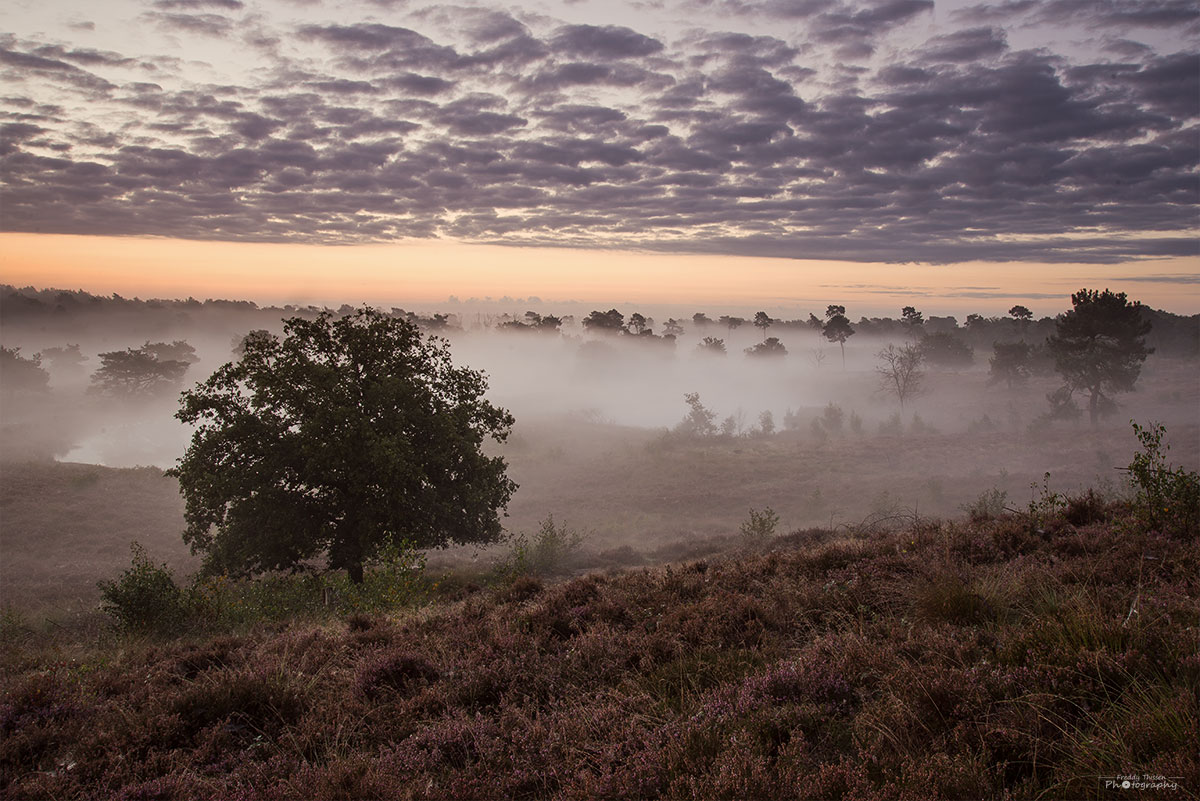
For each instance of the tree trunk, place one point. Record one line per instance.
(1094, 406)
(347, 551)
(843, 345)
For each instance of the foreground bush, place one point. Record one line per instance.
(145, 597)
(1166, 497)
(968, 660)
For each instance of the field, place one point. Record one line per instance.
(1029, 655)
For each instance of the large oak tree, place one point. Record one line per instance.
(342, 437)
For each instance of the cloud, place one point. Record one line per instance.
(1121, 13)
(1176, 278)
(191, 5)
(204, 24)
(368, 36)
(967, 45)
(993, 12)
(605, 42)
(31, 64)
(472, 123)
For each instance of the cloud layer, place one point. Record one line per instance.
(841, 137)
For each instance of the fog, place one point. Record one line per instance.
(597, 437)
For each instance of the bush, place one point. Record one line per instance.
(1168, 499)
(759, 527)
(547, 552)
(1085, 509)
(988, 506)
(145, 597)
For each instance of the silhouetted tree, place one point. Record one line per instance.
(731, 322)
(637, 324)
(237, 345)
(609, 322)
(672, 328)
(67, 359)
(177, 351)
(763, 320)
(700, 320)
(838, 329)
(900, 371)
(712, 346)
(946, 350)
(549, 323)
(1099, 346)
(770, 347)
(532, 322)
(816, 324)
(136, 372)
(1022, 315)
(912, 320)
(21, 375)
(1010, 363)
(348, 435)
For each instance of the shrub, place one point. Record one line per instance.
(698, 422)
(832, 418)
(1085, 509)
(547, 552)
(988, 506)
(1044, 505)
(1166, 498)
(759, 527)
(394, 578)
(145, 597)
(892, 427)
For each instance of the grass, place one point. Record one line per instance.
(962, 659)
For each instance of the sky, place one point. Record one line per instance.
(771, 152)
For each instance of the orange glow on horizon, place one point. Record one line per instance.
(429, 271)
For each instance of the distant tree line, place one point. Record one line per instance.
(1170, 334)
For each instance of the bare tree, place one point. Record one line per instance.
(900, 372)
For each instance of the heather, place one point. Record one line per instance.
(1013, 653)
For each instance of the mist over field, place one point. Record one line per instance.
(598, 439)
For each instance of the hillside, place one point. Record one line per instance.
(1025, 656)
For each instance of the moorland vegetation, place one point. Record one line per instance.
(1025, 651)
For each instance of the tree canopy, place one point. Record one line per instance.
(610, 322)
(838, 329)
(1011, 363)
(763, 320)
(946, 350)
(136, 372)
(770, 347)
(1099, 346)
(342, 438)
(20, 374)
